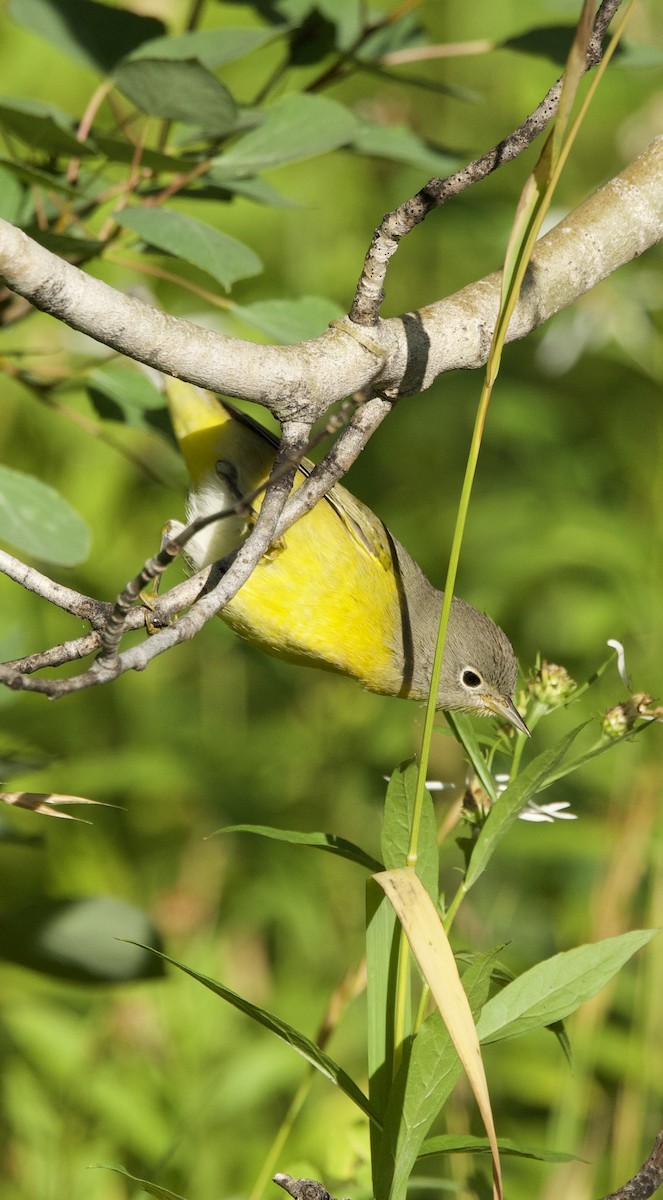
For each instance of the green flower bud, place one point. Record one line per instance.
(620, 719)
(617, 721)
(552, 685)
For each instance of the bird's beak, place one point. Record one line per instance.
(504, 707)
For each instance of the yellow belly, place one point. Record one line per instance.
(326, 594)
(321, 598)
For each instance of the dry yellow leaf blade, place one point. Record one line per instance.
(44, 803)
(430, 946)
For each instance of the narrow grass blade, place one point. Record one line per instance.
(537, 775)
(330, 842)
(287, 1033)
(466, 734)
(152, 1189)
(452, 1143)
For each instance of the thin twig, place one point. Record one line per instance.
(647, 1180)
(86, 608)
(111, 622)
(395, 225)
(351, 441)
(329, 471)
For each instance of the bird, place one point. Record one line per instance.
(337, 591)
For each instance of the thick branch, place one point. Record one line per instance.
(398, 356)
(406, 354)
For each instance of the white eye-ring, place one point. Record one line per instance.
(470, 678)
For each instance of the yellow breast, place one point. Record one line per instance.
(325, 595)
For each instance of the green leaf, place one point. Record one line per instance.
(223, 257)
(595, 751)
(258, 190)
(549, 41)
(348, 16)
(97, 35)
(382, 945)
(294, 128)
(452, 1143)
(287, 1033)
(424, 1082)
(64, 244)
(178, 91)
(552, 989)
(320, 841)
(38, 521)
(152, 1189)
(400, 144)
(403, 34)
(117, 150)
(42, 127)
(11, 196)
(122, 393)
(289, 321)
(465, 732)
(32, 175)
(398, 810)
(211, 47)
(538, 774)
(78, 939)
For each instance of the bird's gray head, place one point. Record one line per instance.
(479, 668)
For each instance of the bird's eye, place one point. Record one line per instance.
(470, 679)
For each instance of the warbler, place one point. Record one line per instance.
(337, 591)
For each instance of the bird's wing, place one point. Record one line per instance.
(359, 521)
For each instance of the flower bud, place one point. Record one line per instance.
(552, 685)
(617, 721)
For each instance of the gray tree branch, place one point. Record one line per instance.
(397, 224)
(394, 358)
(398, 356)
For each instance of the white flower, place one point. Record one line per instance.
(621, 662)
(547, 812)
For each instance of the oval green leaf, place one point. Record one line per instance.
(330, 842)
(287, 1033)
(38, 521)
(79, 939)
(294, 128)
(211, 47)
(178, 91)
(97, 35)
(42, 127)
(290, 321)
(223, 257)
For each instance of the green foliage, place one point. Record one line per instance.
(258, 151)
(287, 1033)
(553, 989)
(39, 522)
(77, 939)
(223, 257)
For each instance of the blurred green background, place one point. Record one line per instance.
(563, 549)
